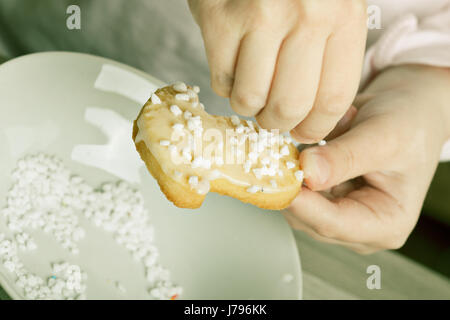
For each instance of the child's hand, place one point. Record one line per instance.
(393, 146)
(295, 64)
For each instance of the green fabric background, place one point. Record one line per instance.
(3, 295)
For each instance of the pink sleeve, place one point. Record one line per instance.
(412, 40)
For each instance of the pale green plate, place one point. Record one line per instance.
(49, 102)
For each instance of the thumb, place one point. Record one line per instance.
(363, 149)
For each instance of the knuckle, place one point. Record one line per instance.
(351, 8)
(357, 8)
(260, 14)
(269, 15)
(307, 12)
(310, 133)
(247, 102)
(313, 14)
(355, 12)
(312, 20)
(333, 105)
(280, 111)
(286, 112)
(205, 12)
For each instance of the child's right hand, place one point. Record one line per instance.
(294, 64)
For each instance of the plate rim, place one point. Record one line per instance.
(4, 283)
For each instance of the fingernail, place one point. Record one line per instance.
(317, 168)
(299, 138)
(306, 141)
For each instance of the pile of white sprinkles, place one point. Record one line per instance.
(66, 282)
(46, 196)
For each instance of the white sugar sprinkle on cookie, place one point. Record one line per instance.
(182, 97)
(284, 151)
(155, 99)
(273, 183)
(164, 143)
(254, 189)
(193, 181)
(175, 110)
(178, 127)
(235, 120)
(290, 164)
(187, 115)
(299, 175)
(179, 86)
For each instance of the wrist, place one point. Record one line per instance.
(434, 83)
(426, 86)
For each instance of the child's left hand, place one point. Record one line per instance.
(392, 148)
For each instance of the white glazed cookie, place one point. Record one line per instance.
(190, 152)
